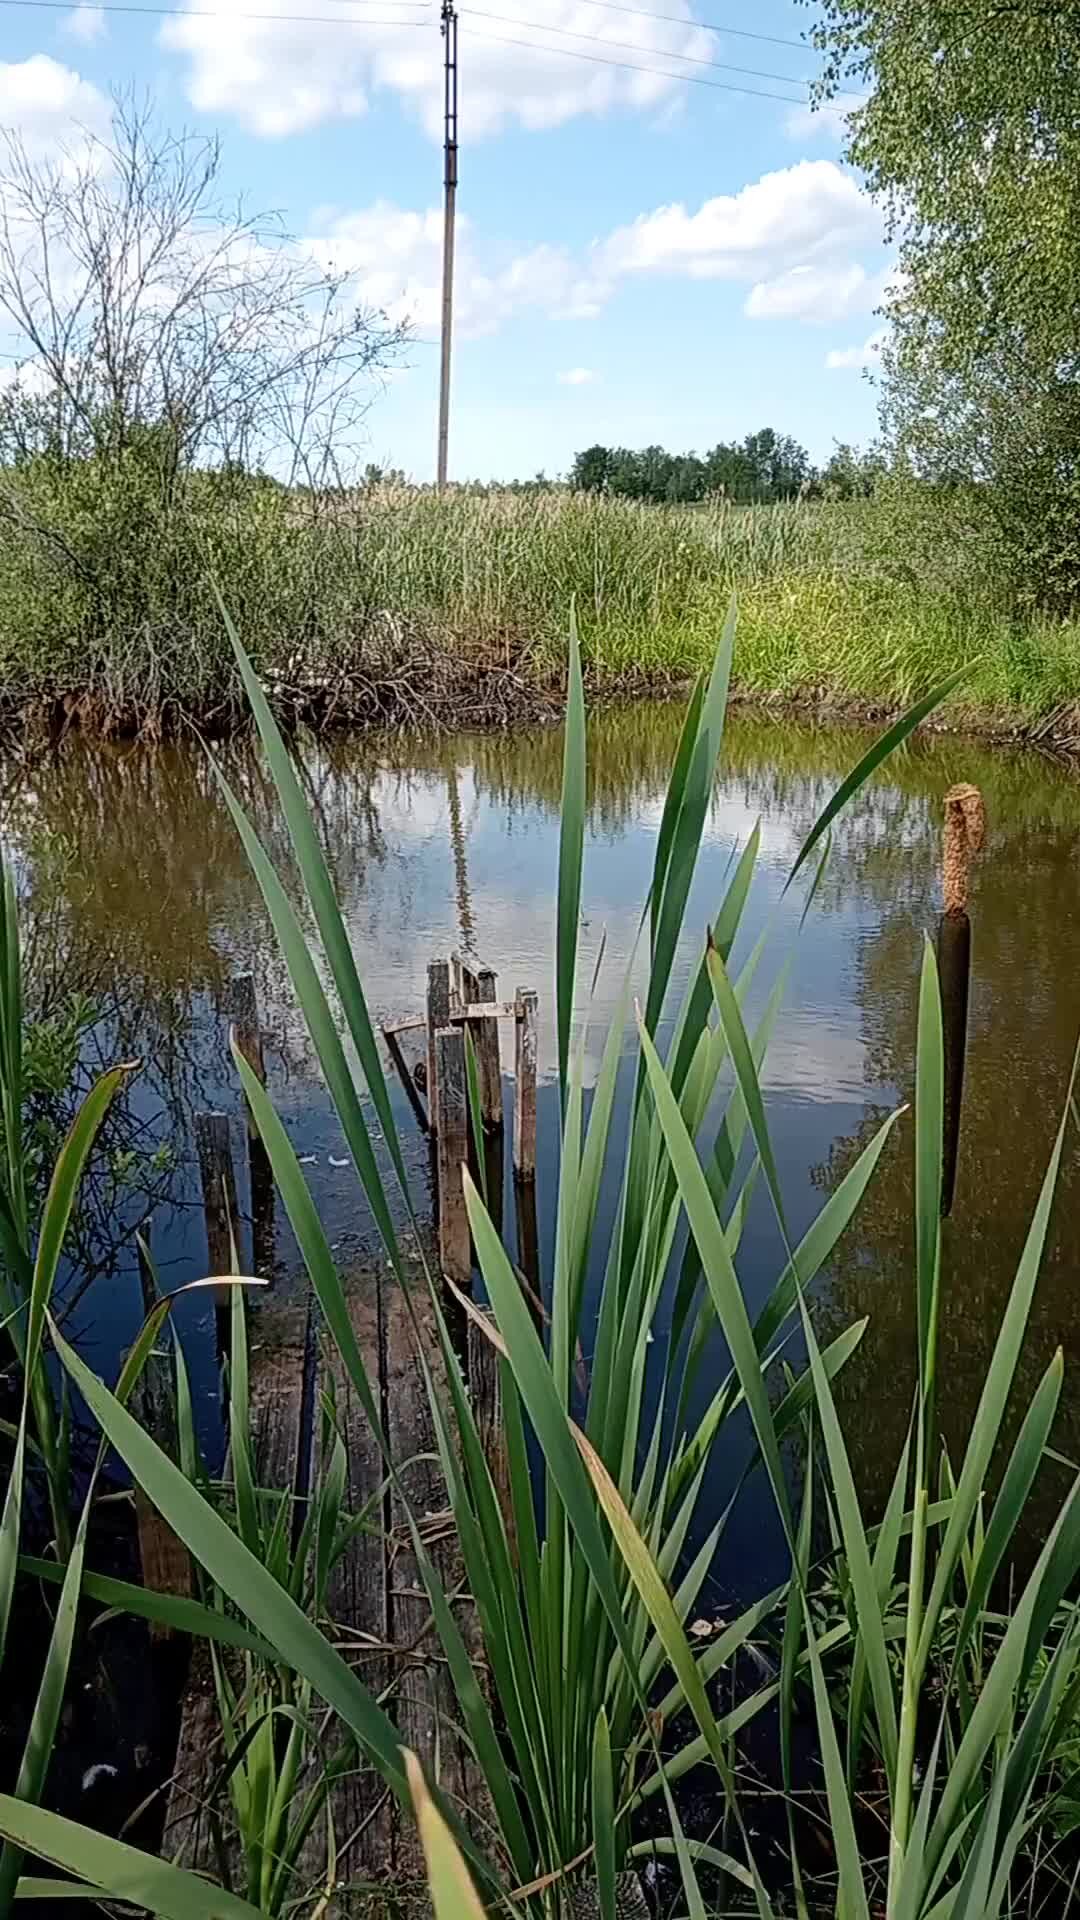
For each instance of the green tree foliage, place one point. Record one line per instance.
(765, 467)
(970, 137)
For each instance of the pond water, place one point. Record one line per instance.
(137, 895)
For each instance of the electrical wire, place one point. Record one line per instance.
(630, 46)
(635, 66)
(220, 13)
(715, 26)
(501, 39)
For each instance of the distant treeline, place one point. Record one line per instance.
(763, 468)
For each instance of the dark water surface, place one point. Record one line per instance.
(137, 894)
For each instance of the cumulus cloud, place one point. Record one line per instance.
(817, 293)
(811, 212)
(48, 104)
(857, 359)
(395, 257)
(86, 23)
(282, 79)
(829, 121)
(576, 377)
(791, 235)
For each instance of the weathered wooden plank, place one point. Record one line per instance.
(486, 1038)
(438, 1015)
(278, 1346)
(525, 1086)
(423, 1704)
(452, 1130)
(214, 1149)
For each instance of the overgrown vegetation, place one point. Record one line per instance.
(943, 1686)
(397, 604)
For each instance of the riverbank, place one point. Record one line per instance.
(402, 608)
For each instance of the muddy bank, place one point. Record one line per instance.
(440, 687)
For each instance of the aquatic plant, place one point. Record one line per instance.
(583, 1600)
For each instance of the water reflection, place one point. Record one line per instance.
(138, 893)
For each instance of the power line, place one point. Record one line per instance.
(636, 66)
(629, 46)
(220, 13)
(714, 26)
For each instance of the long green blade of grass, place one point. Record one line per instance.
(239, 1574)
(116, 1870)
(320, 891)
(892, 738)
(571, 846)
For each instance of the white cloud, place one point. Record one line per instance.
(829, 121)
(791, 234)
(816, 293)
(85, 23)
(395, 256)
(281, 79)
(47, 103)
(810, 212)
(575, 377)
(857, 359)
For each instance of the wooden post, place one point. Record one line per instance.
(455, 1252)
(489, 1066)
(965, 832)
(164, 1559)
(438, 1015)
(218, 1188)
(244, 1013)
(219, 1210)
(525, 1090)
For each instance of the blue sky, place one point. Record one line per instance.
(640, 258)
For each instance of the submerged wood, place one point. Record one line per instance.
(378, 1611)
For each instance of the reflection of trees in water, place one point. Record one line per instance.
(1022, 1033)
(782, 770)
(136, 894)
(139, 893)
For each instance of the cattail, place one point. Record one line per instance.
(965, 831)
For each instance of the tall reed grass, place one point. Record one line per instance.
(403, 604)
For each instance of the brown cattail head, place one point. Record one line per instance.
(965, 831)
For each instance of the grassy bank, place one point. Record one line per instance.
(398, 605)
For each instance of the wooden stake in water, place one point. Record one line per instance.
(438, 1015)
(455, 1247)
(525, 1088)
(486, 1037)
(214, 1149)
(965, 833)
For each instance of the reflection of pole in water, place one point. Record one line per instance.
(965, 832)
(461, 870)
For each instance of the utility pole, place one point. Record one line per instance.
(449, 28)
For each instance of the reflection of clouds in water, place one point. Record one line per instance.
(730, 822)
(818, 1055)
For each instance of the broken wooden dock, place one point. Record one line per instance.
(378, 1611)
